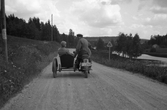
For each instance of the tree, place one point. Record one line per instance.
(46, 31)
(33, 31)
(15, 26)
(121, 44)
(100, 44)
(71, 38)
(159, 40)
(63, 37)
(136, 46)
(129, 46)
(56, 35)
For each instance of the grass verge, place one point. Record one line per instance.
(26, 60)
(148, 68)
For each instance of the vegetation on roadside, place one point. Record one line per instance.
(26, 59)
(149, 68)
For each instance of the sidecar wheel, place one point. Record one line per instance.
(54, 68)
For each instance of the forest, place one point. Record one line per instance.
(37, 30)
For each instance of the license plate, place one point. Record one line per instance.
(86, 64)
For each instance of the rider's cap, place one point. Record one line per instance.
(63, 43)
(79, 35)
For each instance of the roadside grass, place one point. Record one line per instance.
(26, 60)
(149, 68)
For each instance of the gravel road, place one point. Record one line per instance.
(105, 89)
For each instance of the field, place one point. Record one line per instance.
(26, 59)
(149, 68)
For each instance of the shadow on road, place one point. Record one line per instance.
(66, 75)
(70, 75)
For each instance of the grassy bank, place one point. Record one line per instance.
(149, 68)
(26, 60)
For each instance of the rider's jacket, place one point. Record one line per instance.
(82, 48)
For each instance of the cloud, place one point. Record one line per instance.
(158, 9)
(97, 13)
(161, 3)
(142, 4)
(133, 26)
(120, 1)
(31, 8)
(157, 20)
(155, 6)
(159, 6)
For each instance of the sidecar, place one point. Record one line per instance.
(66, 62)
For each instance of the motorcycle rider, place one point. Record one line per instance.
(82, 50)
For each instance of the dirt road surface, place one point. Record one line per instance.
(105, 89)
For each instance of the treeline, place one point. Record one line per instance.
(37, 30)
(129, 45)
(125, 45)
(160, 40)
(33, 29)
(70, 39)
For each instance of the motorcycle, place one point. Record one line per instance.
(85, 66)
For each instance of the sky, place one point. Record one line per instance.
(96, 17)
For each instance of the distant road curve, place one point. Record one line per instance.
(149, 57)
(145, 56)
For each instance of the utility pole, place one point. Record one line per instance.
(51, 27)
(3, 22)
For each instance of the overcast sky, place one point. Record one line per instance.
(97, 17)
